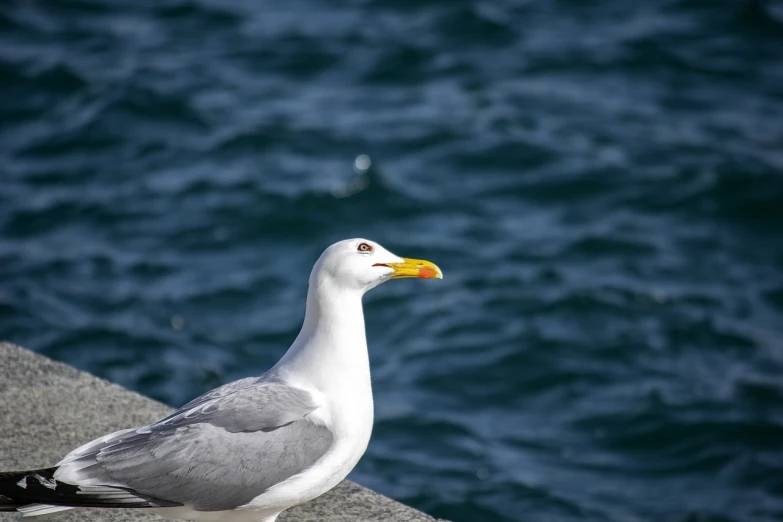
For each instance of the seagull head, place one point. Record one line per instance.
(361, 264)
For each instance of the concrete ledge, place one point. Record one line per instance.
(48, 408)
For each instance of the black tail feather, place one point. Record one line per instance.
(21, 488)
(6, 504)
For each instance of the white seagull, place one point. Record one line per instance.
(248, 450)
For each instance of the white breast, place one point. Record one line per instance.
(352, 434)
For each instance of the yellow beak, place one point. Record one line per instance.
(414, 268)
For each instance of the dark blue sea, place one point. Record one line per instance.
(601, 182)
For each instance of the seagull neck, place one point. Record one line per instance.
(332, 343)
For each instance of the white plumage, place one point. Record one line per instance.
(248, 450)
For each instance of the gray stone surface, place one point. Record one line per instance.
(48, 408)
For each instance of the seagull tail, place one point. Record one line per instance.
(13, 486)
(37, 492)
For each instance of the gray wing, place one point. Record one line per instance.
(215, 453)
(247, 405)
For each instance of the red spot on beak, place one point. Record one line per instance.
(426, 273)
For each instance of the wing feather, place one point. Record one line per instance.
(217, 452)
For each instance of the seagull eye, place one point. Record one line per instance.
(364, 247)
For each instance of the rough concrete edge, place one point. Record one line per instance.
(49, 389)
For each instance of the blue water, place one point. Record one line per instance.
(601, 182)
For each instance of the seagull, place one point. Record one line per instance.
(250, 449)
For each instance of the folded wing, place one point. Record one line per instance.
(215, 453)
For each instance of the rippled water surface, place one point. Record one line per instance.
(601, 182)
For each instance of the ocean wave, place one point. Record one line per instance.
(600, 185)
